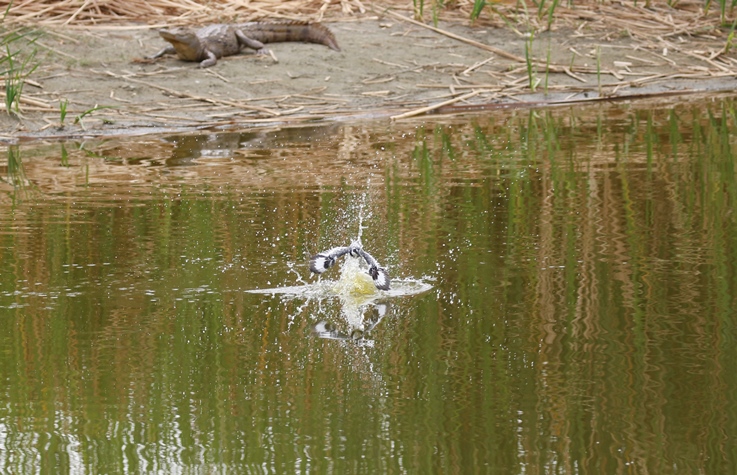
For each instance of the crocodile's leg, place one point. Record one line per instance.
(251, 43)
(210, 61)
(168, 50)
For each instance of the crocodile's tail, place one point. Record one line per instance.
(276, 32)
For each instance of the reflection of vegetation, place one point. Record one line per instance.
(64, 156)
(586, 272)
(586, 233)
(16, 175)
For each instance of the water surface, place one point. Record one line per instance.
(563, 292)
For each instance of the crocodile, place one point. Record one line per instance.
(211, 42)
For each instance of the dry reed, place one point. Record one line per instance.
(99, 12)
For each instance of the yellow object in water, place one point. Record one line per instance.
(354, 281)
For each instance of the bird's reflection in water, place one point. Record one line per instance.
(359, 304)
(360, 324)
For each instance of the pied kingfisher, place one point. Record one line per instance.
(323, 261)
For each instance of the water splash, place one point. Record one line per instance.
(353, 284)
(361, 219)
(354, 281)
(356, 294)
(362, 284)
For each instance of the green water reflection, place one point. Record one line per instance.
(580, 320)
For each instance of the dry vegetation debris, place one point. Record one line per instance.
(94, 12)
(629, 46)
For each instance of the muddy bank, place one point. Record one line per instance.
(387, 66)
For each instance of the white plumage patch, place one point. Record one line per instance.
(381, 277)
(320, 263)
(325, 260)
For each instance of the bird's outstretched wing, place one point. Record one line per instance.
(378, 273)
(323, 261)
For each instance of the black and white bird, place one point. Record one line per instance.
(323, 261)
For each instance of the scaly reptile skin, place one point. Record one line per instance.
(211, 42)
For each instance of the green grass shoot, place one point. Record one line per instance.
(478, 6)
(551, 11)
(528, 60)
(63, 110)
(730, 36)
(598, 68)
(14, 65)
(547, 70)
(16, 71)
(78, 119)
(419, 8)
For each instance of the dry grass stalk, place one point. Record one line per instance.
(90, 12)
(211, 100)
(658, 19)
(423, 110)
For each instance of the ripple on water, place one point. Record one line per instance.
(354, 282)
